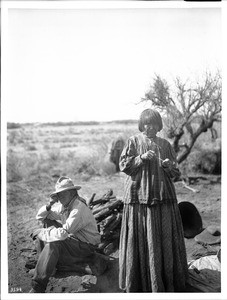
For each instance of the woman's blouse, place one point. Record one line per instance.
(147, 182)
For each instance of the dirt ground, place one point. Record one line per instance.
(25, 197)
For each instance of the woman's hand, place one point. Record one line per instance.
(148, 155)
(167, 163)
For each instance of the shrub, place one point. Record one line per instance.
(88, 167)
(20, 136)
(15, 137)
(13, 168)
(20, 166)
(54, 154)
(108, 168)
(207, 162)
(11, 125)
(206, 159)
(31, 148)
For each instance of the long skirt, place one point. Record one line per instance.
(152, 254)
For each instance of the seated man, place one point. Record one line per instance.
(72, 238)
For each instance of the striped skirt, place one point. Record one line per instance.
(152, 255)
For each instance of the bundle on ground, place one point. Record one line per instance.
(108, 213)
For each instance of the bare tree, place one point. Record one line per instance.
(189, 111)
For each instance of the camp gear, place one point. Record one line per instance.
(191, 219)
(210, 235)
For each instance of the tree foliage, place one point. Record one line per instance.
(189, 110)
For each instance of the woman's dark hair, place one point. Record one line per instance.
(150, 116)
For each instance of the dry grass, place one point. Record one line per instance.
(75, 149)
(58, 150)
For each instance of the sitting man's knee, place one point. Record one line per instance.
(53, 246)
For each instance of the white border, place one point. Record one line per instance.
(6, 5)
(107, 4)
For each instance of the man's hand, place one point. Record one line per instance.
(35, 234)
(167, 163)
(148, 155)
(52, 201)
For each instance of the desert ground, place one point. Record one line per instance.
(37, 155)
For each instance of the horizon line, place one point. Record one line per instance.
(93, 122)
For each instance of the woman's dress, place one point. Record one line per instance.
(152, 255)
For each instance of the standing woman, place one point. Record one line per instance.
(152, 254)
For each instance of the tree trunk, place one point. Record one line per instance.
(193, 137)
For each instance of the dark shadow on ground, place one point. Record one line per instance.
(108, 282)
(74, 282)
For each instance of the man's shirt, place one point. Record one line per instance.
(77, 221)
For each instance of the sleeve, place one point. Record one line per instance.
(52, 214)
(130, 162)
(174, 172)
(73, 224)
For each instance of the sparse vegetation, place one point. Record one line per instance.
(12, 125)
(68, 149)
(31, 148)
(206, 158)
(85, 150)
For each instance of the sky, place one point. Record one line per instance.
(96, 64)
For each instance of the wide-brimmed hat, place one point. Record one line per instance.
(210, 235)
(64, 184)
